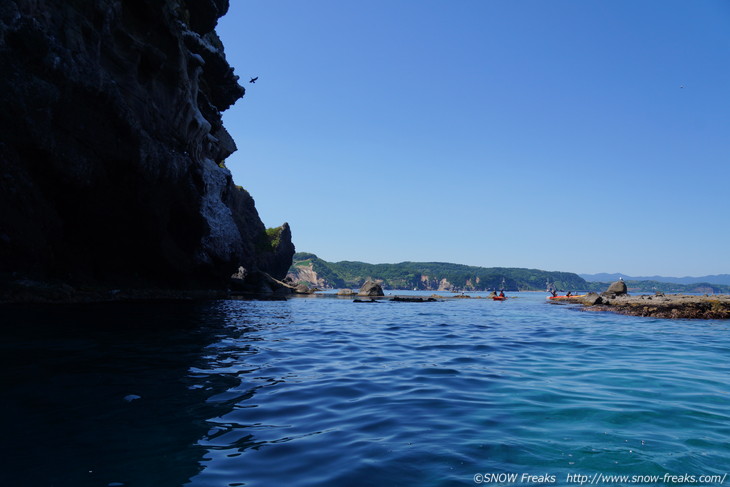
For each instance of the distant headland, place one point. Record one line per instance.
(310, 270)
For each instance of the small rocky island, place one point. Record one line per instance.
(675, 306)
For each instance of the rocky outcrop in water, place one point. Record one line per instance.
(617, 288)
(371, 288)
(112, 148)
(675, 306)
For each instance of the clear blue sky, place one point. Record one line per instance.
(572, 135)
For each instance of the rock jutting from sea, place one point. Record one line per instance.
(371, 288)
(112, 150)
(675, 306)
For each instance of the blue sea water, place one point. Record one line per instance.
(327, 392)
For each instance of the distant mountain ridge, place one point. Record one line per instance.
(723, 279)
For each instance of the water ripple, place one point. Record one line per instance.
(337, 394)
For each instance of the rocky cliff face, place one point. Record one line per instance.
(111, 147)
(307, 275)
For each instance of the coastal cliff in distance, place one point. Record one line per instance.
(112, 148)
(310, 270)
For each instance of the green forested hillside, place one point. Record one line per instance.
(431, 275)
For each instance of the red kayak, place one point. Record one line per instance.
(499, 298)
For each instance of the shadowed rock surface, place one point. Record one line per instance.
(112, 148)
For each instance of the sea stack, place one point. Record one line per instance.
(617, 288)
(371, 288)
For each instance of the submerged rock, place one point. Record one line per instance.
(112, 148)
(413, 299)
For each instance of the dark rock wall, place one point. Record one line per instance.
(110, 144)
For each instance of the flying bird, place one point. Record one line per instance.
(253, 80)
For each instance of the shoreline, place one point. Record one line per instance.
(671, 306)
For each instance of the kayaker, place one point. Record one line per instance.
(567, 295)
(501, 294)
(553, 292)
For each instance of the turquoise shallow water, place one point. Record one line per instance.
(327, 392)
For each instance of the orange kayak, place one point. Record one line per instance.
(499, 298)
(567, 297)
